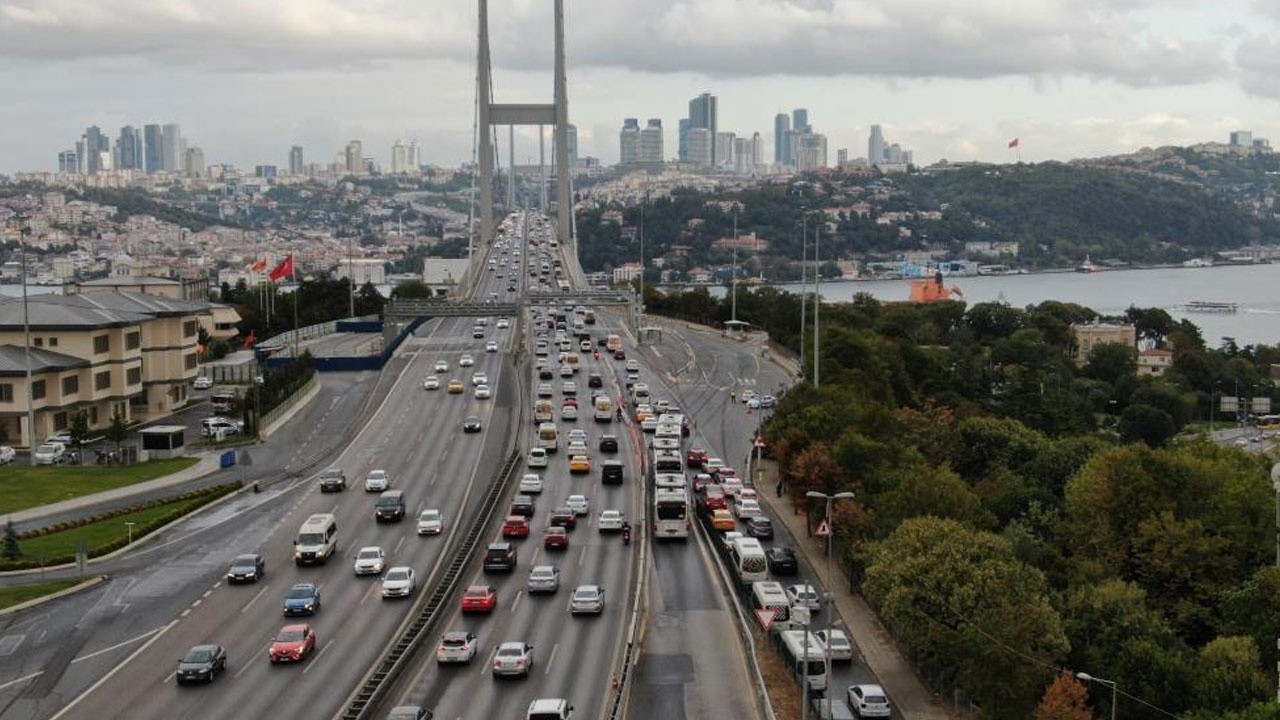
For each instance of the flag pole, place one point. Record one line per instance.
(297, 291)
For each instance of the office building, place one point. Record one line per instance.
(842, 157)
(701, 147)
(811, 151)
(193, 162)
(746, 154)
(571, 139)
(629, 142)
(415, 157)
(703, 114)
(353, 158)
(1242, 138)
(128, 150)
(724, 149)
(399, 158)
(682, 148)
(68, 162)
(171, 149)
(95, 144)
(296, 164)
(800, 120)
(153, 137)
(267, 172)
(651, 142)
(781, 145)
(876, 146)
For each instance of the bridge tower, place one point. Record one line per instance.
(492, 114)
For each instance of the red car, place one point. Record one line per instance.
(619, 354)
(571, 401)
(696, 457)
(564, 518)
(555, 538)
(293, 643)
(714, 498)
(479, 598)
(515, 526)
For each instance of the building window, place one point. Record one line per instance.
(53, 342)
(133, 340)
(189, 328)
(102, 380)
(93, 415)
(60, 421)
(102, 343)
(70, 385)
(6, 392)
(38, 342)
(37, 390)
(191, 361)
(133, 376)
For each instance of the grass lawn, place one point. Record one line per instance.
(11, 596)
(97, 534)
(27, 487)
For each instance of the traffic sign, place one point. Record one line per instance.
(824, 530)
(766, 617)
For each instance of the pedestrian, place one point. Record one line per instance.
(779, 488)
(733, 396)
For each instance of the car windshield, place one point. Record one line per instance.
(398, 575)
(45, 448)
(290, 635)
(200, 655)
(369, 554)
(430, 515)
(246, 562)
(510, 652)
(300, 592)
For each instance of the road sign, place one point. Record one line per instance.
(758, 443)
(766, 617)
(824, 530)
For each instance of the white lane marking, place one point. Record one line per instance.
(399, 543)
(102, 680)
(253, 599)
(516, 603)
(489, 663)
(185, 612)
(551, 658)
(249, 664)
(316, 659)
(582, 556)
(369, 592)
(23, 679)
(217, 585)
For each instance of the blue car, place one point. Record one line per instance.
(303, 599)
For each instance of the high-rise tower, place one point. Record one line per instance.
(781, 128)
(651, 142)
(629, 142)
(702, 114)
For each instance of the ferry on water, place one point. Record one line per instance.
(1205, 306)
(1087, 266)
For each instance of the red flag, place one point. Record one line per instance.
(258, 266)
(283, 270)
(249, 341)
(1013, 143)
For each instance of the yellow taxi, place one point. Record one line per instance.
(455, 386)
(723, 520)
(643, 412)
(579, 464)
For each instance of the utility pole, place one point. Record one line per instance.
(733, 313)
(804, 255)
(24, 231)
(817, 301)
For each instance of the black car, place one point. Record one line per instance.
(611, 472)
(546, 373)
(471, 424)
(609, 443)
(500, 556)
(759, 526)
(782, 560)
(408, 712)
(389, 507)
(246, 568)
(594, 380)
(201, 664)
(522, 505)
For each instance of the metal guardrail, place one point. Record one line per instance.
(396, 657)
(415, 308)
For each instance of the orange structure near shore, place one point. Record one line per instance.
(934, 290)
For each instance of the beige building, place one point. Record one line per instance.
(1154, 362)
(102, 353)
(1087, 337)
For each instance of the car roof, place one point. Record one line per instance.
(303, 586)
(248, 556)
(296, 627)
(479, 588)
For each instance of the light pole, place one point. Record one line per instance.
(733, 291)
(1109, 683)
(817, 299)
(804, 255)
(24, 229)
(831, 595)
(129, 528)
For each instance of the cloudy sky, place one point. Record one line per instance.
(951, 79)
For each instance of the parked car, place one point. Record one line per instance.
(202, 383)
(868, 701)
(7, 454)
(835, 643)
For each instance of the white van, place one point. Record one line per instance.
(548, 437)
(639, 394)
(317, 540)
(769, 595)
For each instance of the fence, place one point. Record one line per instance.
(278, 411)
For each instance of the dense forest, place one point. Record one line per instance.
(1018, 514)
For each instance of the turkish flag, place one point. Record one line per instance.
(1013, 143)
(283, 270)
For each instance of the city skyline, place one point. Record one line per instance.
(957, 84)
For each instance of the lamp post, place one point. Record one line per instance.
(1109, 683)
(804, 255)
(129, 528)
(817, 301)
(830, 593)
(24, 229)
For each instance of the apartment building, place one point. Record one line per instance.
(103, 353)
(1087, 337)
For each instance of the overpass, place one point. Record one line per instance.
(408, 309)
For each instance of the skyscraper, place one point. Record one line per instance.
(354, 158)
(757, 151)
(171, 155)
(702, 114)
(701, 146)
(724, 149)
(399, 158)
(193, 162)
(95, 144)
(842, 157)
(876, 146)
(811, 151)
(415, 157)
(571, 139)
(68, 162)
(629, 142)
(800, 120)
(651, 142)
(781, 126)
(683, 140)
(153, 158)
(296, 164)
(129, 149)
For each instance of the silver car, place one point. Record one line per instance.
(513, 658)
(543, 579)
(587, 599)
(370, 561)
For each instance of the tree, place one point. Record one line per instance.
(411, 289)
(1143, 423)
(79, 430)
(117, 431)
(12, 551)
(1064, 699)
(1229, 674)
(1109, 362)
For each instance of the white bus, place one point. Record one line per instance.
(670, 514)
(749, 563)
(769, 595)
(805, 656)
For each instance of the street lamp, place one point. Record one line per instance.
(830, 593)
(129, 527)
(1109, 683)
(24, 229)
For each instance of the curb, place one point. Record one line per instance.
(79, 587)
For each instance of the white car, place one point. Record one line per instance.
(202, 383)
(804, 596)
(370, 561)
(744, 509)
(835, 643)
(531, 484)
(482, 392)
(732, 485)
(749, 395)
(566, 371)
(753, 404)
(377, 481)
(544, 390)
(398, 582)
(7, 454)
(610, 520)
(633, 365)
(49, 453)
(442, 366)
(457, 646)
(479, 378)
(543, 578)
(569, 387)
(513, 658)
(569, 412)
(491, 346)
(466, 361)
(537, 457)
(869, 701)
(576, 447)
(578, 504)
(503, 323)
(431, 382)
(430, 522)
(649, 424)
(587, 599)
(577, 434)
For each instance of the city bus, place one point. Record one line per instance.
(670, 513)
(805, 656)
